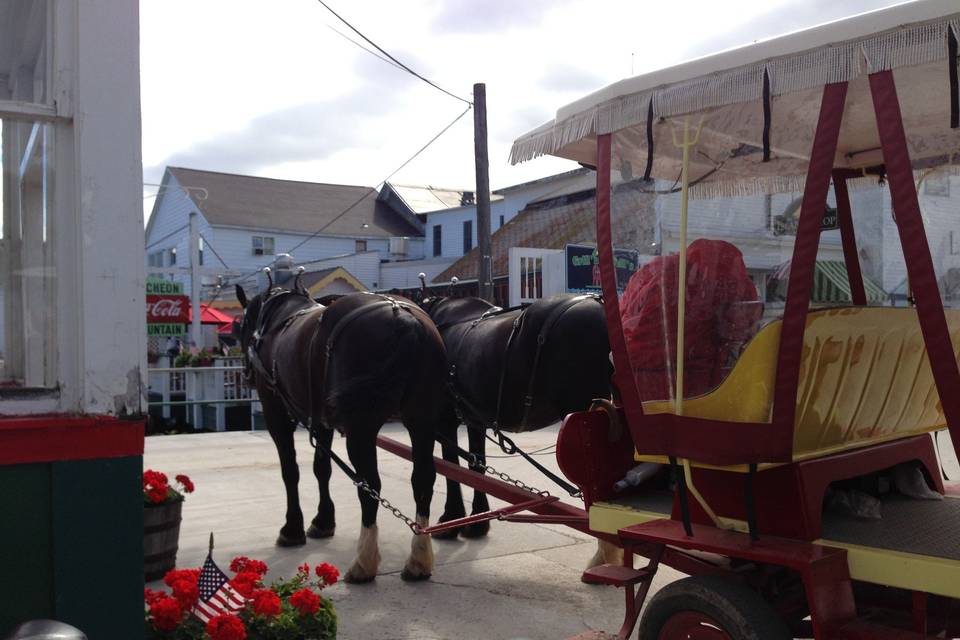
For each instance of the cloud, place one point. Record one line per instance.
(470, 16)
(301, 133)
(563, 77)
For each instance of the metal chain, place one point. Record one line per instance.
(386, 504)
(477, 465)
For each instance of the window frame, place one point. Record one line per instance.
(359, 246)
(437, 240)
(262, 249)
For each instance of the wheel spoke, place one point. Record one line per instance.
(692, 625)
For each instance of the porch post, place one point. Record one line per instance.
(802, 265)
(623, 376)
(916, 251)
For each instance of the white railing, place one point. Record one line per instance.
(216, 386)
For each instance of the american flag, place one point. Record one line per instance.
(216, 594)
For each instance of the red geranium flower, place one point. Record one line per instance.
(186, 592)
(265, 603)
(185, 482)
(243, 563)
(304, 569)
(166, 613)
(154, 477)
(306, 601)
(150, 596)
(328, 573)
(226, 627)
(245, 582)
(176, 575)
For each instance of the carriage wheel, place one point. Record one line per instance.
(710, 608)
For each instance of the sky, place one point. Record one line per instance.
(269, 88)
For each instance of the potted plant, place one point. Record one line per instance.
(162, 504)
(290, 609)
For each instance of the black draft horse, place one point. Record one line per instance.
(520, 370)
(348, 366)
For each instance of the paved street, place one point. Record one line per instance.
(522, 581)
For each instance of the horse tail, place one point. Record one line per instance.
(371, 370)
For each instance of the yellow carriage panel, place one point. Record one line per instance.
(864, 378)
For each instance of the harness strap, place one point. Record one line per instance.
(332, 339)
(548, 325)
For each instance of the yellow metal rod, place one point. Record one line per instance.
(686, 145)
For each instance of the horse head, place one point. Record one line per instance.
(260, 314)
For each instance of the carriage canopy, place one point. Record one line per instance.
(868, 105)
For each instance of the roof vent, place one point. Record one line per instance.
(467, 198)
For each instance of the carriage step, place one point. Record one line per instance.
(616, 575)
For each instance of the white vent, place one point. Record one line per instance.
(398, 246)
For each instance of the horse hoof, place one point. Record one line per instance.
(409, 576)
(291, 541)
(354, 578)
(317, 533)
(449, 534)
(476, 530)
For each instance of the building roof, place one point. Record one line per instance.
(292, 206)
(557, 177)
(427, 199)
(553, 224)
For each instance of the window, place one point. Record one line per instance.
(28, 276)
(173, 257)
(467, 235)
(937, 186)
(200, 252)
(360, 246)
(155, 259)
(437, 240)
(501, 222)
(262, 246)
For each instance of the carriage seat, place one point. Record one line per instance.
(864, 379)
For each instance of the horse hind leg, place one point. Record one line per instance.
(419, 565)
(453, 508)
(478, 447)
(361, 447)
(324, 523)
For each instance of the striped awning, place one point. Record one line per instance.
(830, 283)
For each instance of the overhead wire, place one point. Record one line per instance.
(366, 195)
(395, 61)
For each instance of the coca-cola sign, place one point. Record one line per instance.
(168, 309)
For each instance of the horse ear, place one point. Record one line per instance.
(241, 296)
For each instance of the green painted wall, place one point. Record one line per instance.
(73, 532)
(26, 544)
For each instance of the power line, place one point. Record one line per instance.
(395, 61)
(210, 244)
(370, 51)
(313, 235)
(175, 231)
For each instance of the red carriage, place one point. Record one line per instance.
(817, 393)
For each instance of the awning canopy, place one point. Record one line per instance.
(830, 284)
(728, 91)
(209, 315)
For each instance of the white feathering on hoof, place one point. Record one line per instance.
(607, 553)
(420, 562)
(367, 562)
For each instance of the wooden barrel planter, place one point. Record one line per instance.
(161, 534)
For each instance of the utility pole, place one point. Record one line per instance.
(195, 335)
(485, 275)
